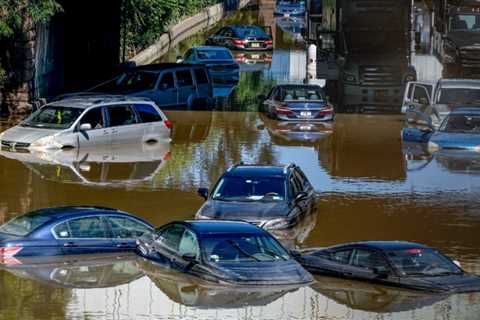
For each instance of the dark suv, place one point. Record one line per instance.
(272, 197)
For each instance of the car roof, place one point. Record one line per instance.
(383, 245)
(210, 48)
(87, 100)
(244, 26)
(203, 227)
(466, 110)
(157, 67)
(296, 86)
(243, 170)
(459, 83)
(57, 213)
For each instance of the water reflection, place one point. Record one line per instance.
(292, 26)
(253, 61)
(86, 271)
(192, 292)
(114, 165)
(358, 295)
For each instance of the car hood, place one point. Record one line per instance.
(306, 105)
(457, 283)
(465, 38)
(265, 273)
(26, 134)
(456, 140)
(252, 211)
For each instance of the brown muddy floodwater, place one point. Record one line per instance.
(371, 187)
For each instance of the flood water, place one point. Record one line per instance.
(371, 187)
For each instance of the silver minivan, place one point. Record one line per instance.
(89, 121)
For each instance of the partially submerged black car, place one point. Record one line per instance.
(272, 197)
(396, 263)
(226, 252)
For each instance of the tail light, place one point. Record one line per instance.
(268, 42)
(168, 124)
(283, 109)
(9, 251)
(240, 42)
(328, 110)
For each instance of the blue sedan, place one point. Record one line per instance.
(219, 61)
(459, 131)
(223, 251)
(69, 230)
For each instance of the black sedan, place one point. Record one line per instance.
(241, 37)
(224, 252)
(396, 263)
(272, 197)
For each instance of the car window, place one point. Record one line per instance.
(250, 189)
(419, 94)
(201, 76)
(170, 236)
(189, 55)
(342, 256)
(121, 116)
(228, 33)
(369, 259)
(23, 225)
(167, 81)
(92, 227)
(127, 228)
(53, 117)
(294, 186)
(184, 78)
(94, 117)
(189, 244)
(147, 113)
(206, 54)
(302, 180)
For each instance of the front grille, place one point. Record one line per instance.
(15, 144)
(384, 76)
(470, 57)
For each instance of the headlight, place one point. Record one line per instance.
(278, 223)
(46, 143)
(432, 147)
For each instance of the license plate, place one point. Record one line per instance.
(255, 56)
(305, 114)
(255, 45)
(305, 128)
(286, 15)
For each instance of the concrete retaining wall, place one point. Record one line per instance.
(186, 28)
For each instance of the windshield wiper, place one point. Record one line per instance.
(237, 246)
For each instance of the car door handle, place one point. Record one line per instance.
(70, 245)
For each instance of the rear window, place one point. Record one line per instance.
(301, 94)
(23, 225)
(214, 55)
(252, 32)
(201, 76)
(147, 113)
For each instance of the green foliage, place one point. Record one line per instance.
(145, 20)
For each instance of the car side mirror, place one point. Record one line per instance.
(179, 59)
(190, 257)
(85, 127)
(300, 196)
(380, 273)
(203, 192)
(426, 129)
(261, 98)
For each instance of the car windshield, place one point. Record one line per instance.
(214, 54)
(465, 22)
(252, 32)
(425, 262)
(23, 225)
(250, 189)
(301, 94)
(459, 96)
(461, 123)
(53, 117)
(242, 248)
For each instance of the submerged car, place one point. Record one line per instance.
(69, 230)
(89, 121)
(459, 131)
(232, 252)
(168, 84)
(241, 37)
(290, 8)
(395, 263)
(272, 197)
(297, 102)
(219, 61)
